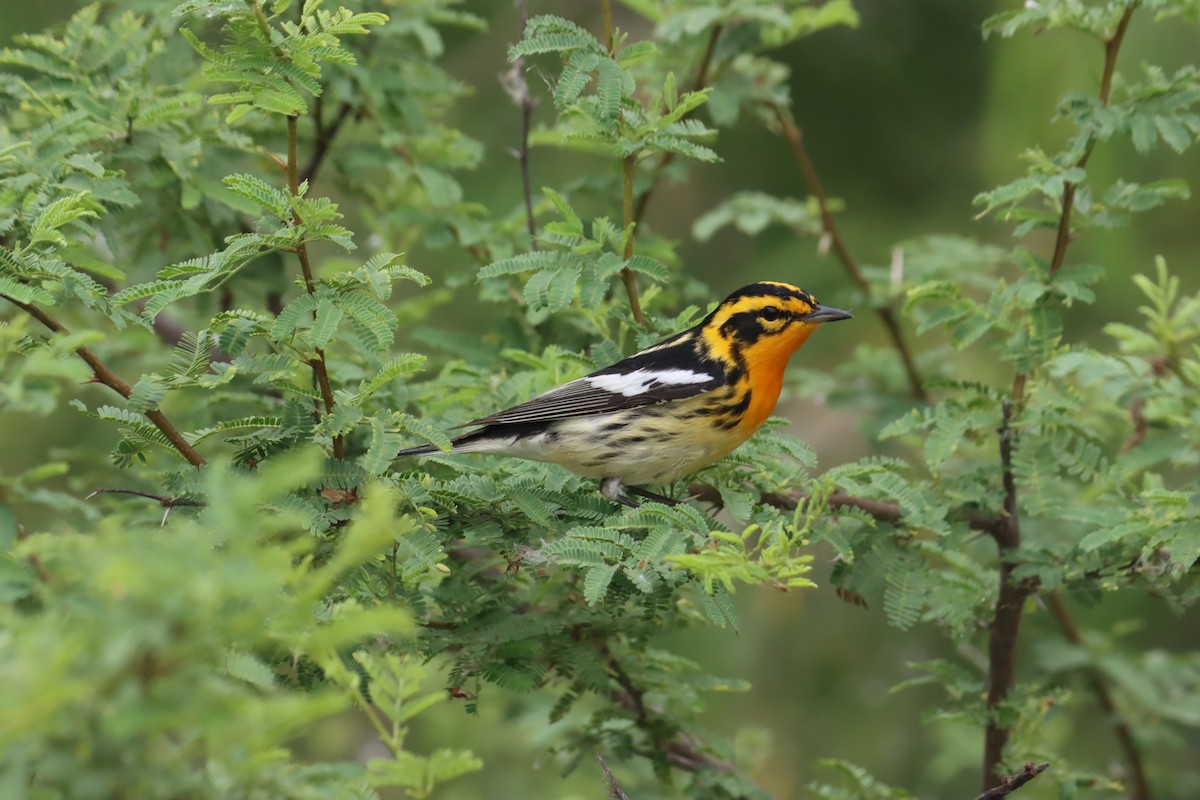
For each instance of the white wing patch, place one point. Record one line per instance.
(640, 381)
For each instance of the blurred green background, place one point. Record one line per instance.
(907, 118)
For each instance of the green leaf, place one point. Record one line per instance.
(596, 582)
(382, 447)
(261, 194)
(24, 292)
(398, 366)
(325, 325)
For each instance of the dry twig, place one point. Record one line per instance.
(1011, 783)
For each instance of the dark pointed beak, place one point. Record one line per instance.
(826, 314)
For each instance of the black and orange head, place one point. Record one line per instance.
(777, 316)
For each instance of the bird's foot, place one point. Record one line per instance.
(654, 496)
(613, 489)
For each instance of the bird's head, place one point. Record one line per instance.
(766, 321)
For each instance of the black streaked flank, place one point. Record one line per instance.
(741, 405)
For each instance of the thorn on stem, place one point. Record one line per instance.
(1013, 782)
(614, 789)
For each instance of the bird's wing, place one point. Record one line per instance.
(666, 371)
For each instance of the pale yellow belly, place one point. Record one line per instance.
(639, 446)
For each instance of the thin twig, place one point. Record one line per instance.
(102, 374)
(614, 789)
(1112, 47)
(166, 502)
(1010, 783)
(320, 371)
(1137, 414)
(679, 749)
(317, 364)
(627, 167)
(627, 275)
(163, 500)
(39, 569)
(517, 87)
(325, 135)
(881, 510)
(795, 139)
(1140, 783)
(606, 12)
(664, 161)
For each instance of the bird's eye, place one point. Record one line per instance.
(770, 313)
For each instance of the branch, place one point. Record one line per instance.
(166, 502)
(102, 374)
(606, 12)
(320, 371)
(1121, 728)
(324, 138)
(1010, 783)
(35, 563)
(163, 500)
(881, 510)
(627, 167)
(517, 88)
(627, 212)
(1005, 628)
(665, 161)
(1137, 414)
(680, 750)
(795, 138)
(1112, 47)
(614, 789)
(1006, 623)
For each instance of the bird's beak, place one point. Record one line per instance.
(821, 314)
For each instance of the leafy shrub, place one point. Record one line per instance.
(161, 177)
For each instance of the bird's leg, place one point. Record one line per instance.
(611, 488)
(655, 496)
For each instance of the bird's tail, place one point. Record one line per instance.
(483, 440)
(420, 450)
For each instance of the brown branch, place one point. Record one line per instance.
(680, 750)
(881, 510)
(1005, 627)
(1010, 783)
(606, 13)
(325, 134)
(1112, 47)
(35, 563)
(166, 502)
(627, 274)
(1133, 755)
(795, 139)
(1137, 414)
(666, 159)
(1006, 623)
(517, 88)
(163, 500)
(319, 368)
(627, 166)
(614, 789)
(102, 374)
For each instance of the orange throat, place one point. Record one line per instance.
(766, 361)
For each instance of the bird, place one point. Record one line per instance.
(668, 410)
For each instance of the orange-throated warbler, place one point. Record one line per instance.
(668, 410)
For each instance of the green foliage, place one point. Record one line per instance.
(154, 650)
(164, 220)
